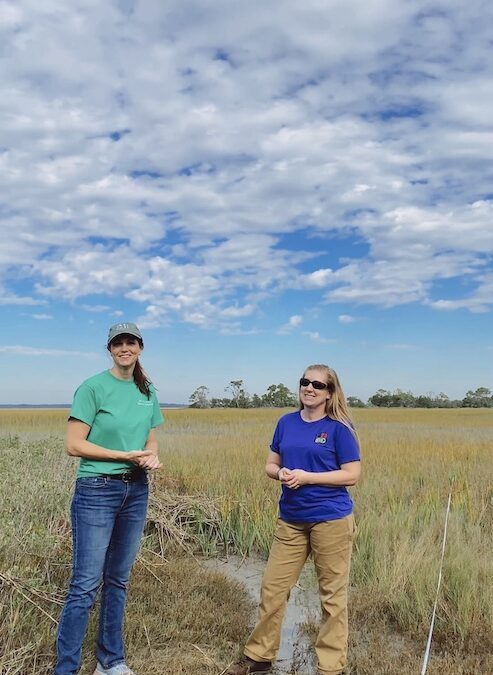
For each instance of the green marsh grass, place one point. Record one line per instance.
(412, 460)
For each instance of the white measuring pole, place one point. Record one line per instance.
(430, 634)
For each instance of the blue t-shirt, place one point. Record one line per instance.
(314, 446)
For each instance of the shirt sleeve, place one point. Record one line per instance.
(84, 406)
(157, 415)
(346, 445)
(276, 439)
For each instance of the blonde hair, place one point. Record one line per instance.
(336, 406)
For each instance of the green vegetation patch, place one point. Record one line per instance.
(180, 617)
(213, 497)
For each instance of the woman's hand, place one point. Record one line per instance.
(149, 462)
(283, 474)
(346, 476)
(138, 457)
(148, 459)
(294, 478)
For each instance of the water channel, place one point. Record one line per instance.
(295, 654)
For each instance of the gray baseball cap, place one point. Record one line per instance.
(124, 329)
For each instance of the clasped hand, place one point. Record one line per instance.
(293, 478)
(145, 459)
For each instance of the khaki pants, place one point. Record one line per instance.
(330, 543)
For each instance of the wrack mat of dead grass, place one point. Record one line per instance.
(180, 618)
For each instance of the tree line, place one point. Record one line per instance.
(279, 396)
(480, 398)
(276, 396)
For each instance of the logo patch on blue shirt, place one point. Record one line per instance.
(321, 438)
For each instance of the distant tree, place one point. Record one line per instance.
(481, 398)
(220, 403)
(235, 387)
(425, 402)
(441, 401)
(396, 399)
(403, 399)
(454, 403)
(244, 400)
(256, 401)
(200, 398)
(355, 402)
(240, 397)
(382, 399)
(279, 396)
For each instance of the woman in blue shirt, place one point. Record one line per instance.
(315, 455)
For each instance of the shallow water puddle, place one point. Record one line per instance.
(295, 655)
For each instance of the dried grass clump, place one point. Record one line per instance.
(182, 521)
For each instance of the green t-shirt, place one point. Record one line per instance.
(120, 417)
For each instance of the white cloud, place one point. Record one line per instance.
(318, 279)
(10, 15)
(346, 318)
(178, 185)
(316, 337)
(295, 321)
(21, 350)
(480, 300)
(400, 280)
(8, 298)
(96, 308)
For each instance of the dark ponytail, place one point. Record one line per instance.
(141, 380)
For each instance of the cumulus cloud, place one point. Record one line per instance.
(295, 321)
(8, 297)
(201, 162)
(478, 301)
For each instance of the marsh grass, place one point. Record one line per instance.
(412, 460)
(180, 618)
(214, 486)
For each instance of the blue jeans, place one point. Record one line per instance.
(108, 519)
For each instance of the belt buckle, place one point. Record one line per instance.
(127, 477)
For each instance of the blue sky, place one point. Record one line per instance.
(260, 186)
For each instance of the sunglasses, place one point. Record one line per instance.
(304, 382)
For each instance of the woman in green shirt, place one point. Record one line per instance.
(111, 429)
